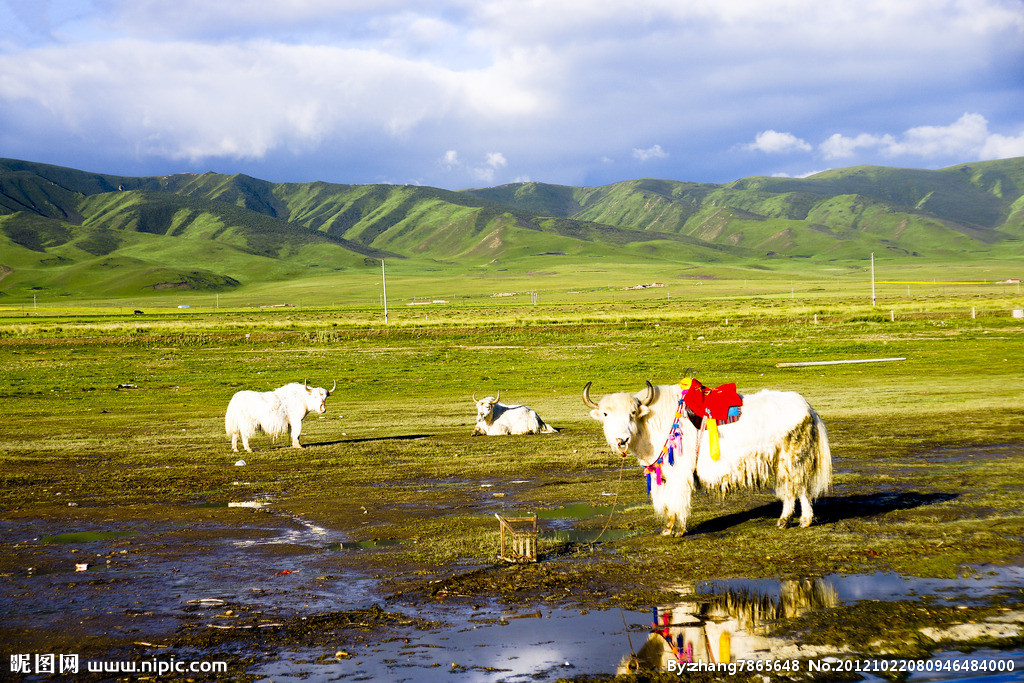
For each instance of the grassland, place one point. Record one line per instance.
(413, 376)
(122, 415)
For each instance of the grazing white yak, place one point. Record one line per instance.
(493, 419)
(272, 412)
(777, 439)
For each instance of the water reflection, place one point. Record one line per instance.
(725, 625)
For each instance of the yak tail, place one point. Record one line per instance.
(821, 456)
(231, 421)
(545, 428)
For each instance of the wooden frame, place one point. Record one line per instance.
(518, 546)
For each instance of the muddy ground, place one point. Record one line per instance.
(281, 590)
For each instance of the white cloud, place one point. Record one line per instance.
(485, 171)
(450, 159)
(805, 174)
(492, 162)
(774, 142)
(839, 146)
(966, 138)
(195, 101)
(1003, 147)
(655, 152)
(336, 88)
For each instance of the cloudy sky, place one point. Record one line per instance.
(471, 93)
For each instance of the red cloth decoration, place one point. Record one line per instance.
(713, 403)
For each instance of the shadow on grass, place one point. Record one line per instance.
(401, 437)
(831, 509)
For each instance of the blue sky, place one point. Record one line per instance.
(472, 93)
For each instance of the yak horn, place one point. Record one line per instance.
(474, 397)
(498, 398)
(333, 388)
(648, 396)
(586, 396)
(305, 384)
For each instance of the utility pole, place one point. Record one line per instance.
(872, 278)
(384, 282)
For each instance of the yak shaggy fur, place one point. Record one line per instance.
(778, 441)
(272, 412)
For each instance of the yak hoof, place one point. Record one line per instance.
(667, 532)
(782, 523)
(804, 523)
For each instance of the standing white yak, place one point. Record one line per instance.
(272, 412)
(778, 439)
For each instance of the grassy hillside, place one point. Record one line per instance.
(966, 208)
(69, 233)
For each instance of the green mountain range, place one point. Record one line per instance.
(72, 232)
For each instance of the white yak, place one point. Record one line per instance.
(272, 412)
(778, 439)
(494, 418)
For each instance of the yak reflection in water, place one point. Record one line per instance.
(724, 626)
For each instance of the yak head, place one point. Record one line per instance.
(620, 414)
(316, 397)
(485, 407)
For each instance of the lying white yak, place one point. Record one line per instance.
(272, 412)
(496, 419)
(778, 440)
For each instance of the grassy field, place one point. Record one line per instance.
(61, 369)
(122, 415)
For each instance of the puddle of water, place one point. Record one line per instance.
(509, 648)
(254, 504)
(259, 502)
(146, 592)
(565, 517)
(482, 645)
(308, 534)
(980, 583)
(85, 536)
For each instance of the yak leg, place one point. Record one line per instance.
(806, 513)
(234, 443)
(671, 528)
(296, 430)
(788, 505)
(245, 443)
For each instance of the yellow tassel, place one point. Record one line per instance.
(724, 645)
(713, 438)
